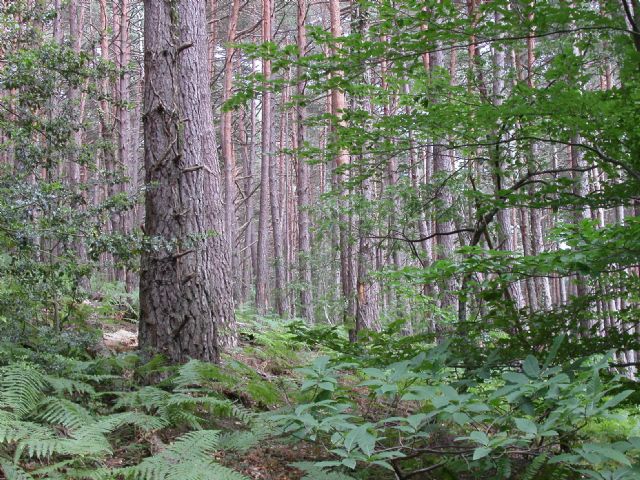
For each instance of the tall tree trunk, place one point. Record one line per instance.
(277, 207)
(76, 102)
(185, 289)
(506, 236)
(442, 168)
(265, 169)
(213, 36)
(543, 286)
(75, 39)
(338, 106)
(127, 163)
(105, 161)
(228, 155)
(367, 288)
(249, 250)
(303, 176)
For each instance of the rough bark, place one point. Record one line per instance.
(185, 290)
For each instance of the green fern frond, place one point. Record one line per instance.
(15, 431)
(61, 411)
(318, 473)
(142, 421)
(53, 469)
(534, 467)
(67, 385)
(259, 429)
(196, 445)
(242, 440)
(21, 388)
(14, 472)
(198, 373)
(90, 474)
(97, 378)
(40, 448)
(203, 471)
(188, 458)
(45, 447)
(148, 398)
(243, 414)
(503, 469)
(212, 404)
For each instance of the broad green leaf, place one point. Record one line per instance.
(527, 426)
(479, 437)
(531, 367)
(481, 452)
(515, 377)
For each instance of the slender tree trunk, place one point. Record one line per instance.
(75, 39)
(249, 257)
(367, 288)
(506, 236)
(105, 159)
(228, 154)
(537, 237)
(76, 101)
(303, 176)
(277, 207)
(213, 36)
(126, 161)
(442, 168)
(338, 106)
(265, 170)
(185, 289)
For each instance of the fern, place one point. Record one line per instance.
(180, 408)
(149, 398)
(142, 421)
(314, 472)
(243, 440)
(14, 472)
(86, 474)
(188, 458)
(64, 412)
(52, 422)
(67, 385)
(197, 373)
(534, 467)
(243, 414)
(504, 468)
(16, 430)
(21, 389)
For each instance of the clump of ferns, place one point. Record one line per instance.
(188, 399)
(38, 423)
(63, 428)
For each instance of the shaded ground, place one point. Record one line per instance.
(271, 461)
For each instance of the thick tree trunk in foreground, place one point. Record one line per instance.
(185, 287)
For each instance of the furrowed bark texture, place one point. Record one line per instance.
(185, 287)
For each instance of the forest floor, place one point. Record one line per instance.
(267, 461)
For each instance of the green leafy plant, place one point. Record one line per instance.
(425, 416)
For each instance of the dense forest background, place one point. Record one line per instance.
(402, 236)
